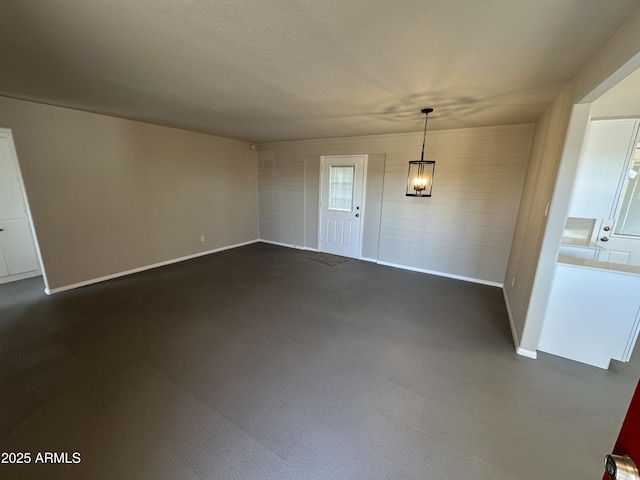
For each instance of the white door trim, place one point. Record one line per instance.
(362, 202)
(6, 133)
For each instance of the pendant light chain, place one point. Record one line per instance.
(424, 138)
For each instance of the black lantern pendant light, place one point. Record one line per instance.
(420, 178)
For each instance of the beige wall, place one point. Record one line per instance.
(373, 203)
(464, 230)
(572, 145)
(617, 59)
(311, 203)
(544, 161)
(109, 195)
(623, 100)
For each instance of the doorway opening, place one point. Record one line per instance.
(19, 252)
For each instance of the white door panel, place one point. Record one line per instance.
(341, 192)
(4, 271)
(18, 251)
(616, 256)
(346, 232)
(11, 204)
(331, 230)
(344, 229)
(618, 249)
(17, 247)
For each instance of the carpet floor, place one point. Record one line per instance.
(260, 363)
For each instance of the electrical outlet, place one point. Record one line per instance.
(202, 238)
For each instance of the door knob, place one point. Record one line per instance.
(621, 468)
(357, 214)
(604, 239)
(607, 228)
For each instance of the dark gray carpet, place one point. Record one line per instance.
(256, 364)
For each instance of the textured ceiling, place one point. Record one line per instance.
(263, 70)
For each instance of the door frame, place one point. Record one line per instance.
(8, 134)
(362, 202)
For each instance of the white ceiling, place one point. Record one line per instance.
(264, 70)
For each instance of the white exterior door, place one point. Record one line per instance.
(619, 238)
(18, 256)
(607, 150)
(617, 248)
(341, 209)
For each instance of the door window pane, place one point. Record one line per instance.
(341, 187)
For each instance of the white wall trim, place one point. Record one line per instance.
(20, 276)
(297, 247)
(280, 244)
(367, 259)
(526, 353)
(519, 350)
(52, 291)
(288, 245)
(396, 265)
(441, 274)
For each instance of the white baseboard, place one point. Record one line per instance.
(442, 274)
(519, 350)
(142, 269)
(20, 276)
(288, 245)
(396, 265)
(526, 353)
(367, 259)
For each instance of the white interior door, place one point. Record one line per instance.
(17, 247)
(11, 204)
(341, 209)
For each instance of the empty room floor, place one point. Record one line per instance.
(261, 363)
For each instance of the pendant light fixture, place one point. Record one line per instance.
(420, 178)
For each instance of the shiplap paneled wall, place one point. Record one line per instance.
(281, 195)
(464, 230)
